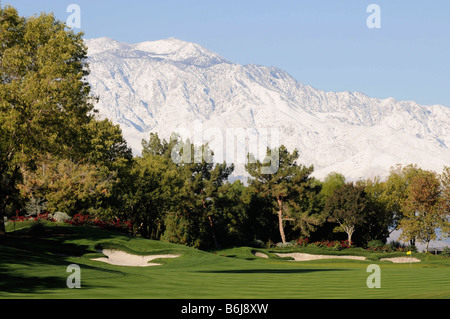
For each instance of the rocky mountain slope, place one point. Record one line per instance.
(168, 85)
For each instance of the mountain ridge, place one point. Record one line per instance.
(160, 86)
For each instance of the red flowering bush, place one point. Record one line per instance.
(336, 244)
(39, 217)
(115, 224)
(81, 220)
(302, 242)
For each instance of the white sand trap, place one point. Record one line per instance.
(306, 257)
(258, 254)
(121, 258)
(401, 259)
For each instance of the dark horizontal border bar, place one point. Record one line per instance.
(226, 308)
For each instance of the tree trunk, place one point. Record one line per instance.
(211, 224)
(3, 204)
(2, 224)
(349, 230)
(8, 190)
(280, 220)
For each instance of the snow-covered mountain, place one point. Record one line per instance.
(167, 85)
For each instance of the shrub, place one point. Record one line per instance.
(257, 243)
(302, 242)
(375, 244)
(282, 245)
(269, 244)
(39, 217)
(446, 252)
(334, 244)
(61, 217)
(115, 224)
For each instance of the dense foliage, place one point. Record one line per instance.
(57, 156)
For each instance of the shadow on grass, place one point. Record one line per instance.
(27, 263)
(18, 281)
(12, 283)
(266, 271)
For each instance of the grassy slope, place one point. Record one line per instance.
(36, 268)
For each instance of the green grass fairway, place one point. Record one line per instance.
(37, 268)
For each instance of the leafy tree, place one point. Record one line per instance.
(155, 189)
(177, 201)
(423, 213)
(332, 181)
(203, 180)
(230, 212)
(66, 186)
(395, 191)
(445, 198)
(324, 231)
(44, 96)
(378, 220)
(346, 206)
(305, 204)
(262, 223)
(107, 147)
(109, 152)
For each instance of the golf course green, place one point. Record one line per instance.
(36, 266)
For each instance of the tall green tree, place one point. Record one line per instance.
(378, 219)
(108, 151)
(178, 200)
(45, 102)
(445, 198)
(155, 190)
(423, 213)
(203, 179)
(346, 206)
(395, 191)
(332, 181)
(284, 186)
(305, 204)
(229, 214)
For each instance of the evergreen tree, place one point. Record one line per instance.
(283, 187)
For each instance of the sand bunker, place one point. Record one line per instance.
(121, 258)
(401, 260)
(306, 257)
(262, 255)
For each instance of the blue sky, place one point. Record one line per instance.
(322, 43)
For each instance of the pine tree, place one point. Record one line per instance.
(282, 187)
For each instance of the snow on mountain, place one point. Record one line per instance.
(168, 85)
